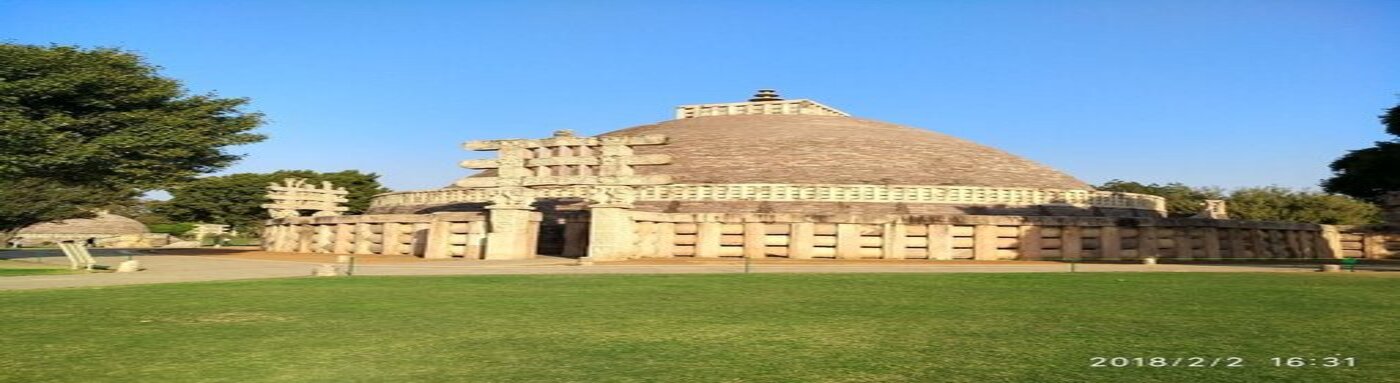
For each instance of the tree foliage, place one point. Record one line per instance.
(1369, 173)
(83, 128)
(236, 199)
(1273, 203)
(1269, 203)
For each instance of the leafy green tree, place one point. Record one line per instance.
(237, 199)
(1273, 203)
(84, 128)
(1369, 173)
(1182, 200)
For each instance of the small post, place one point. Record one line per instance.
(350, 269)
(747, 262)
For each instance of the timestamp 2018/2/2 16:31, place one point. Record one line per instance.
(1225, 362)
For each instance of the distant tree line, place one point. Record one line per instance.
(1268, 203)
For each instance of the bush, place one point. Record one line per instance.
(175, 229)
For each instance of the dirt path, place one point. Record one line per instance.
(192, 265)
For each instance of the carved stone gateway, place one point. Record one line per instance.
(293, 196)
(597, 168)
(566, 160)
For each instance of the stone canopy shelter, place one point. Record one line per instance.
(774, 178)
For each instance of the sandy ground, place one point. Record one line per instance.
(206, 264)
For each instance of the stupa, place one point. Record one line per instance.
(771, 177)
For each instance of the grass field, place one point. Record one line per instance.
(707, 328)
(14, 268)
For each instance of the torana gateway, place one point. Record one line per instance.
(770, 178)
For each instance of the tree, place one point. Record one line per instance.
(85, 128)
(237, 199)
(1369, 173)
(1273, 203)
(1182, 200)
(1270, 203)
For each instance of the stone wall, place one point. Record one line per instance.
(1371, 243)
(980, 237)
(103, 240)
(437, 235)
(868, 198)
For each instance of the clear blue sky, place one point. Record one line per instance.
(1222, 93)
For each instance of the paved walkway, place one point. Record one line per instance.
(179, 268)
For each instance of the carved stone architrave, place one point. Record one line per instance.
(613, 196)
(512, 198)
(565, 160)
(294, 195)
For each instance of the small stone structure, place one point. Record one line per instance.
(1213, 209)
(210, 229)
(773, 178)
(106, 229)
(293, 197)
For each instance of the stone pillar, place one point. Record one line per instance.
(707, 239)
(1373, 246)
(1147, 242)
(847, 241)
(1029, 246)
(1183, 243)
(753, 240)
(665, 239)
(612, 232)
(389, 239)
(893, 240)
(940, 242)
(269, 237)
(509, 233)
(1210, 241)
(1331, 242)
(362, 239)
(1071, 243)
(475, 246)
(437, 239)
(508, 224)
(305, 237)
(646, 239)
(321, 241)
(344, 239)
(1110, 243)
(800, 240)
(984, 242)
(1260, 246)
(1236, 239)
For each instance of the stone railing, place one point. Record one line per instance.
(802, 107)
(437, 235)
(971, 195)
(797, 236)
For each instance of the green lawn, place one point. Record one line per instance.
(707, 328)
(15, 268)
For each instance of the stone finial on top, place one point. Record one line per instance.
(766, 101)
(766, 95)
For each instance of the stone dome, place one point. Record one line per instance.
(811, 149)
(103, 223)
